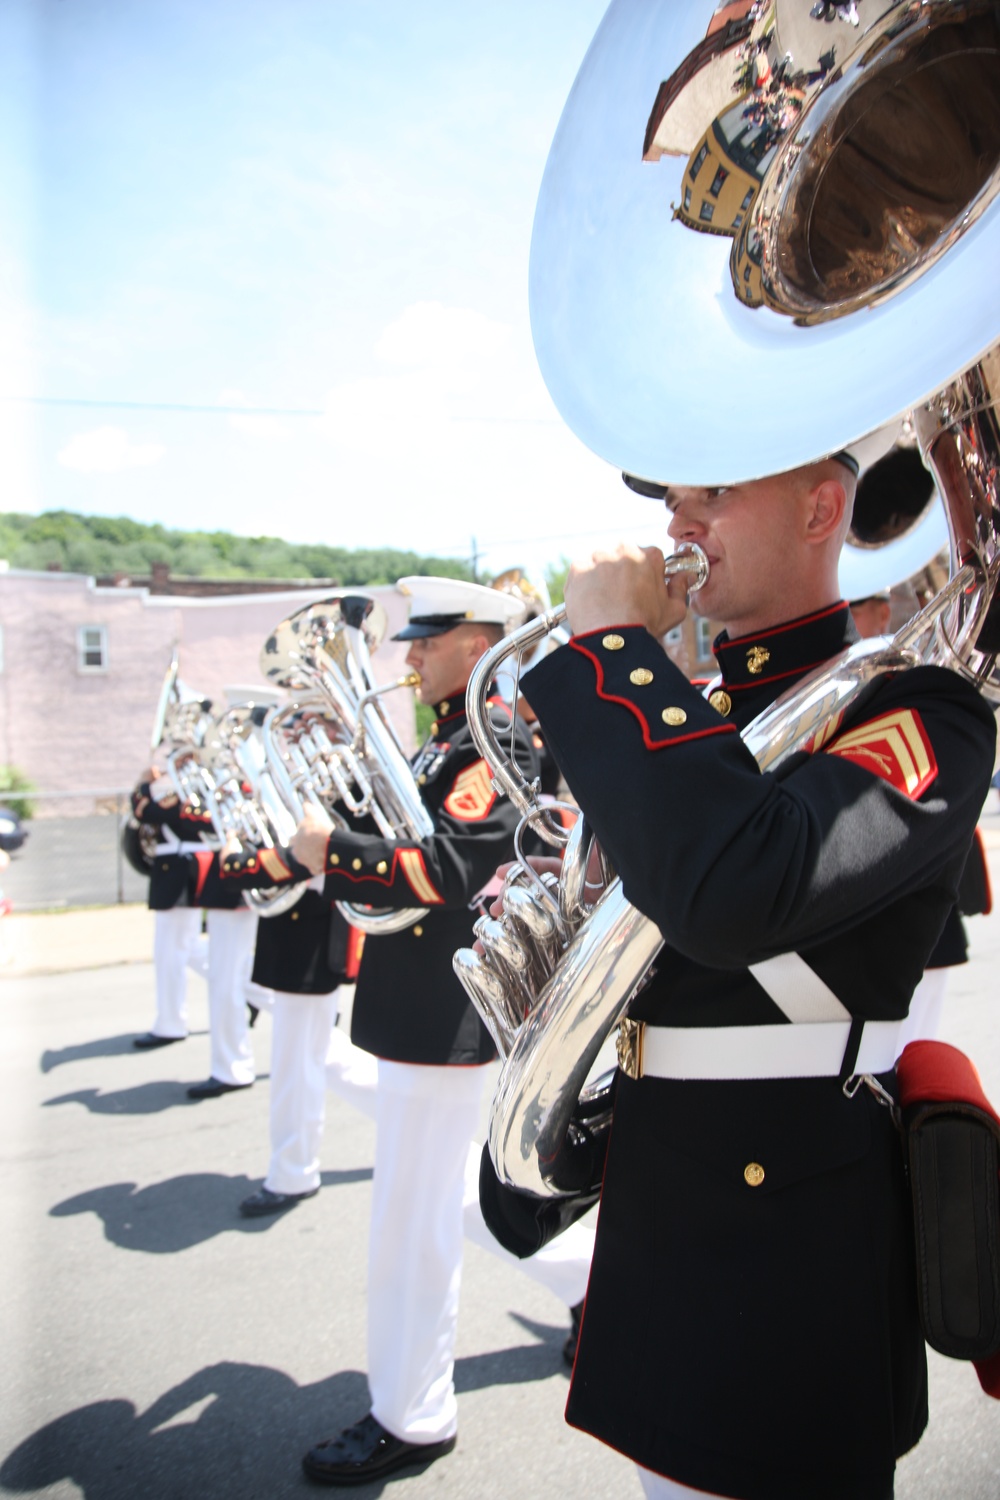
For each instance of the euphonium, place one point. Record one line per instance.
(240, 796)
(179, 727)
(358, 770)
(740, 207)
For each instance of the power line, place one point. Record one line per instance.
(114, 405)
(205, 408)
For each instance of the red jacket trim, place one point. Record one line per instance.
(648, 741)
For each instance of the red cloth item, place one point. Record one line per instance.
(936, 1073)
(355, 945)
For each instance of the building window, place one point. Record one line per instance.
(737, 221)
(698, 162)
(748, 199)
(717, 181)
(687, 197)
(92, 648)
(706, 211)
(703, 638)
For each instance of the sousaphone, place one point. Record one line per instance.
(766, 232)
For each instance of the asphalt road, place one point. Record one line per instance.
(71, 862)
(158, 1346)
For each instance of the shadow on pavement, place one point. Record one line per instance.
(108, 1046)
(535, 1361)
(144, 1099)
(183, 1211)
(247, 1439)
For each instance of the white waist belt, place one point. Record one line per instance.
(810, 1050)
(183, 846)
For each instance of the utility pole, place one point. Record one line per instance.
(475, 561)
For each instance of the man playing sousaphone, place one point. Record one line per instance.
(751, 1323)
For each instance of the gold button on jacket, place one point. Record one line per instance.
(753, 1172)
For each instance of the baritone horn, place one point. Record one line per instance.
(180, 724)
(758, 237)
(336, 748)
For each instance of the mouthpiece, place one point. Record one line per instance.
(688, 559)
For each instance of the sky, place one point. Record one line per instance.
(264, 270)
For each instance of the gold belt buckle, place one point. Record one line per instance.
(629, 1046)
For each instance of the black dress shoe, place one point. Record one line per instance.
(365, 1452)
(569, 1348)
(213, 1087)
(263, 1201)
(150, 1039)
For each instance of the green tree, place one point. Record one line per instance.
(12, 782)
(555, 577)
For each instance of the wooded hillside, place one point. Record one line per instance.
(115, 544)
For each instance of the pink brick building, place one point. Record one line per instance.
(81, 666)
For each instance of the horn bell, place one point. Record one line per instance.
(776, 211)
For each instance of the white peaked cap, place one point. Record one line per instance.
(439, 604)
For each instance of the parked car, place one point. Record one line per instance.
(12, 831)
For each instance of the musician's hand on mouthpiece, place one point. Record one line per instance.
(624, 587)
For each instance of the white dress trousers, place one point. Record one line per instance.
(562, 1267)
(230, 958)
(300, 1033)
(426, 1118)
(176, 946)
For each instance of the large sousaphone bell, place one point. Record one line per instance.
(764, 231)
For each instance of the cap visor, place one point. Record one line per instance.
(420, 632)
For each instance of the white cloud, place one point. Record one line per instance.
(271, 428)
(108, 450)
(445, 338)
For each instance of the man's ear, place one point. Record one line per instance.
(827, 510)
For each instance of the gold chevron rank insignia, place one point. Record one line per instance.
(411, 862)
(273, 864)
(895, 747)
(472, 796)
